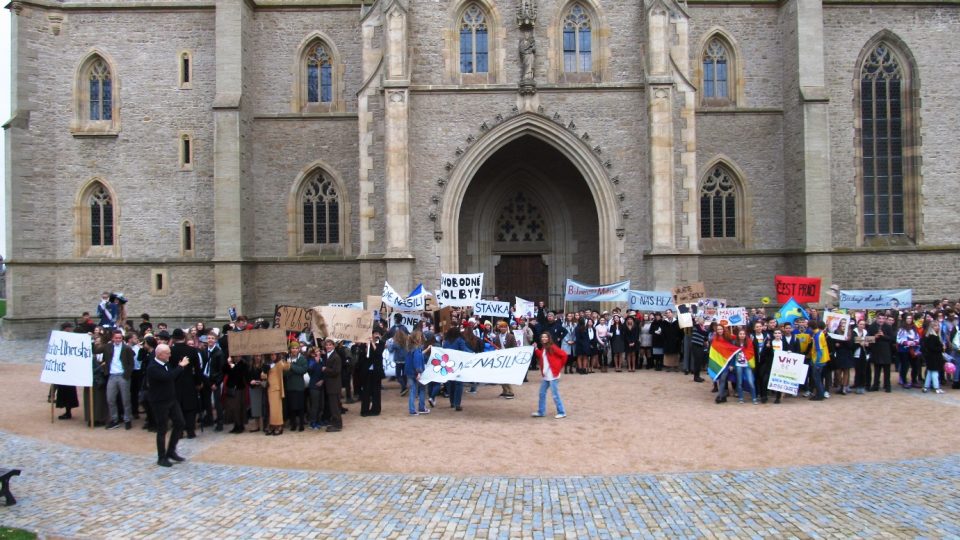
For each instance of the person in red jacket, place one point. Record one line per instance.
(551, 359)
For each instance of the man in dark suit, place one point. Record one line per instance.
(162, 394)
(189, 382)
(211, 369)
(332, 364)
(370, 368)
(117, 366)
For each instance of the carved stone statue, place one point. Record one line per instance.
(528, 56)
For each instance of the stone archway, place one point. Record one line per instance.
(610, 222)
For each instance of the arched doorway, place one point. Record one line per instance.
(533, 145)
(528, 222)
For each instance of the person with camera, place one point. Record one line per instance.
(162, 395)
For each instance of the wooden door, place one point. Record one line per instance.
(522, 275)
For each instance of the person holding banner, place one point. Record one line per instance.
(454, 340)
(744, 362)
(415, 355)
(552, 361)
(503, 339)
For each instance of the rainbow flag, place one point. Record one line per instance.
(721, 351)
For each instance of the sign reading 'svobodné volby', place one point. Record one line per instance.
(462, 290)
(69, 360)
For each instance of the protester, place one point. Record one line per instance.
(932, 349)
(234, 398)
(255, 392)
(370, 368)
(552, 360)
(118, 368)
(275, 370)
(332, 363)
(294, 387)
(163, 399)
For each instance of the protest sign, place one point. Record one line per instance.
(787, 373)
(518, 335)
(394, 301)
(291, 318)
(460, 289)
(69, 360)
(264, 341)
(342, 324)
(408, 320)
(685, 320)
(838, 324)
(525, 308)
(490, 308)
(736, 316)
(708, 308)
(801, 288)
(892, 299)
(688, 294)
(504, 366)
(389, 364)
(650, 301)
(579, 292)
(351, 305)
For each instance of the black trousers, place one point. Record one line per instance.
(345, 377)
(861, 378)
(333, 404)
(370, 394)
(763, 378)
(885, 368)
(136, 382)
(698, 356)
(162, 412)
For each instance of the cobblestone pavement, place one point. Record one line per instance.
(70, 492)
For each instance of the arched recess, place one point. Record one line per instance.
(299, 102)
(744, 236)
(735, 63)
(610, 245)
(295, 245)
(599, 35)
(83, 222)
(911, 153)
(495, 44)
(82, 123)
(484, 253)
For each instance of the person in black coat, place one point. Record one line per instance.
(212, 363)
(370, 367)
(332, 365)
(881, 353)
(189, 382)
(931, 348)
(162, 395)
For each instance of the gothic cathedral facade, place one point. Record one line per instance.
(202, 154)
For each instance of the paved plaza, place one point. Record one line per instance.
(71, 492)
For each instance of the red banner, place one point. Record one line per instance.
(802, 289)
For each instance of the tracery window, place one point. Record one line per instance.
(474, 46)
(718, 205)
(520, 221)
(881, 143)
(101, 216)
(321, 211)
(716, 72)
(577, 44)
(319, 74)
(101, 91)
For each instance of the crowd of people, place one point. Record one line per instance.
(187, 377)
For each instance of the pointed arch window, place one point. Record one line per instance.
(716, 71)
(101, 91)
(719, 206)
(474, 43)
(320, 204)
(520, 221)
(101, 216)
(883, 107)
(319, 68)
(577, 41)
(96, 98)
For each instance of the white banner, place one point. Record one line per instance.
(410, 320)
(351, 305)
(69, 360)
(650, 301)
(505, 366)
(525, 308)
(518, 335)
(462, 290)
(399, 303)
(614, 292)
(787, 373)
(389, 365)
(490, 308)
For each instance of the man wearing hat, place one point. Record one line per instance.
(503, 339)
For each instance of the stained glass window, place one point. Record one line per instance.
(474, 48)
(520, 221)
(101, 91)
(321, 211)
(319, 75)
(576, 41)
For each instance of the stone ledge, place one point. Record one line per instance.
(738, 110)
(308, 116)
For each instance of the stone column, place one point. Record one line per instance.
(815, 174)
(230, 211)
(368, 105)
(396, 83)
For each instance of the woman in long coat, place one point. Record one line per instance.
(275, 393)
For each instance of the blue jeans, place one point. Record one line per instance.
(455, 389)
(933, 380)
(416, 389)
(554, 389)
(746, 372)
(818, 377)
(401, 377)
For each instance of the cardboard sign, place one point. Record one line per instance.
(264, 341)
(490, 308)
(736, 316)
(801, 288)
(291, 318)
(342, 324)
(69, 360)
(351, 305)
(688, 294)
(787, 373)
(462, 290)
